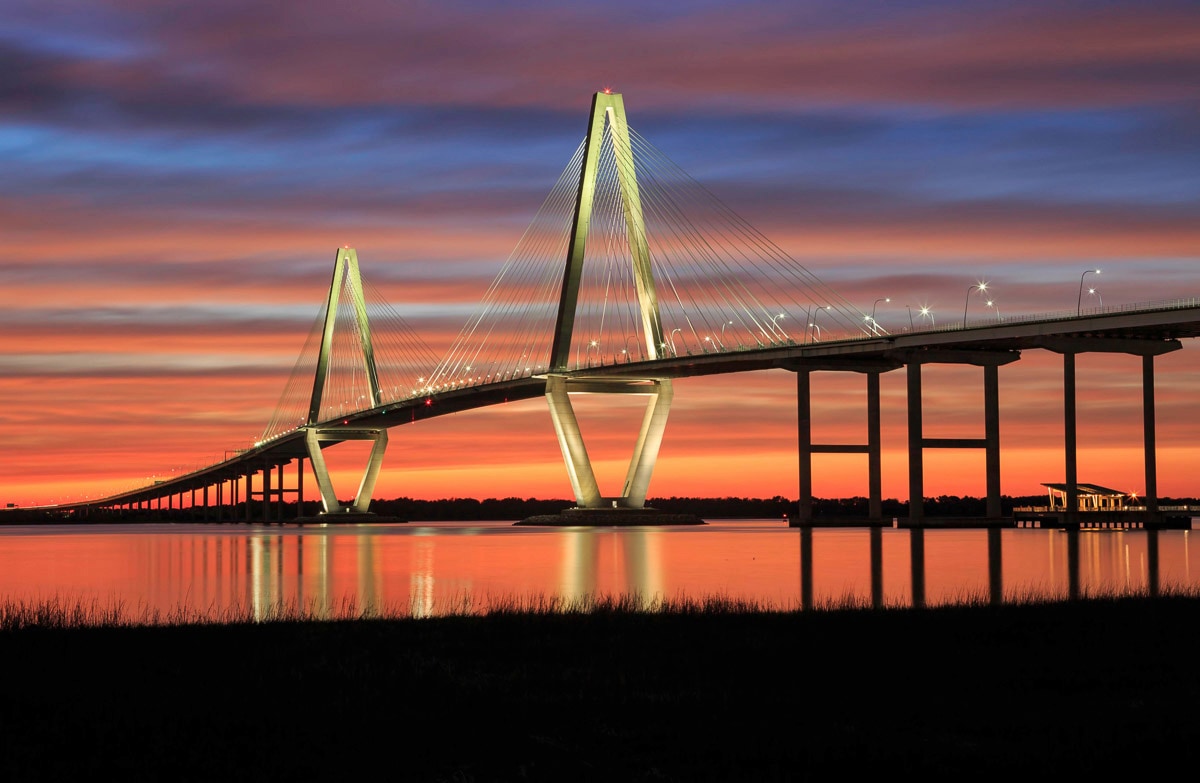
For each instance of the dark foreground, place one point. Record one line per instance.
(1109, 686)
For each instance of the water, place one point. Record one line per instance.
(439, 568)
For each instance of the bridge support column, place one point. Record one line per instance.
(1149, 448)
(873, 447)
(1070, 441)
(570, 439)
(804, 511)
(991, 436)
(299, 488)
(313, 438)
(990, 442)
(916, 454)
(1147, 349)
(874, 455)
(266, 492)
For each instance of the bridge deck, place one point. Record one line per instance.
(1142, 330)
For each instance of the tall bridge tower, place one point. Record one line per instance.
(608, 111)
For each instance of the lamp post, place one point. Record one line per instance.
(1079, 300)
(992, 303)
(980, 286)
(628, 355)
(774, 325)
(922, 311)
(722, 337)
(671, 339)
(812, 325)
(1094, 292)
(871, 317)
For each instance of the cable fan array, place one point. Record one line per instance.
(720, 284)
(402, 360)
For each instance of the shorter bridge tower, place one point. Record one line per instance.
(320, 434)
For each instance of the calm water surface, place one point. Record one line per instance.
(429, 569)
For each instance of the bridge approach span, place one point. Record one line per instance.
(1145, 331)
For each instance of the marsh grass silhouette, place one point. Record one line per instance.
(601, 689)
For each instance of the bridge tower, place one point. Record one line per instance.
(608, 110)
(321, 434)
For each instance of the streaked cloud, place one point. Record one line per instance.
(178, 177)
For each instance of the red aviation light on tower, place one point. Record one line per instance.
(607, 91)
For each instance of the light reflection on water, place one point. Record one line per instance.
(440, 568)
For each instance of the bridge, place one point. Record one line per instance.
(631, 276)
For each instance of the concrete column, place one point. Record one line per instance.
(279, 496)
(874, 441)
(1149, 448)
(991, 426)
(266, 492)
(916, 468)
(299, 487)
(1069, 438)
(249, 493)
(804, 514)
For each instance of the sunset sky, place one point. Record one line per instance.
(177, 177)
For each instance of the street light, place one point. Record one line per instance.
(992, 303)
(671, 339)
(722, 337)
(980, 286)
(1079, 300)
(871, 317)
(774, 326)
(812, 325)
(1094, 292)
(628, 355)
(923, 311)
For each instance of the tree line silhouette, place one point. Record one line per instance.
(514, 508)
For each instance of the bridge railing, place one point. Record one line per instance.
(1064, 315)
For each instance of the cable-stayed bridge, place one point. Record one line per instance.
(631, 275)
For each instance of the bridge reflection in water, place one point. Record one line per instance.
(221, 572)
(1079, 564)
